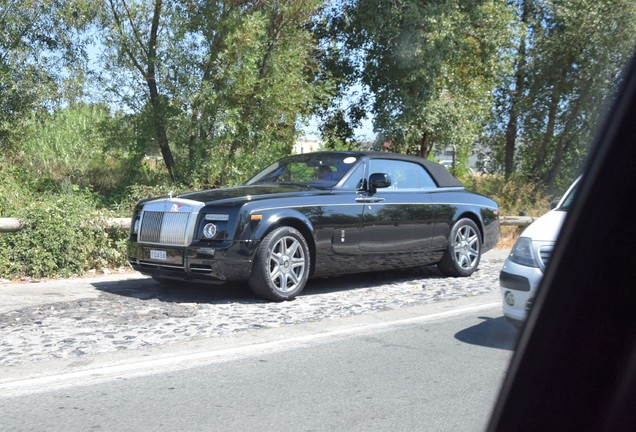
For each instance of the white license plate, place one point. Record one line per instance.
(158, 255)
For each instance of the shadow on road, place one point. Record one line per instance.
(372, 279)
(180, 292)
(191, 292)
(491, 333)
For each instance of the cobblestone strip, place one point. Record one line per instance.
(133, 318)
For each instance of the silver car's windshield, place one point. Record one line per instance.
(566, 203)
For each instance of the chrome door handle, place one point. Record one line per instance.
(369, 199)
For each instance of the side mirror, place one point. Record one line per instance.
(378, 181)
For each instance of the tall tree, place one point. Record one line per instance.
(134, 34)
(516, 90)
(568, 63)
(431, 66)
(256, 80)
(226, 82)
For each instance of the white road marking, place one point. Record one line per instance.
(173, 362)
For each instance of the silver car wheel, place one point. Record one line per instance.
(286, 264)
(463, 250)
(466, 247)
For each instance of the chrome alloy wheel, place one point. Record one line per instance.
(286, 264)
(466, 247)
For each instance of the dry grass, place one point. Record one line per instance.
(515, 196)
(507, 236)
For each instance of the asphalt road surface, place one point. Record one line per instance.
(436, 368)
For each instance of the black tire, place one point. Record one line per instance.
(281, 265)
(463, 252)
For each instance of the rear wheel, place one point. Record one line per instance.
(463, 251)
(281, 265)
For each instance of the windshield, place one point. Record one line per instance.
(567, 201)
(318, 169)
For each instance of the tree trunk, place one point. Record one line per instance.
(424, 145)
(160, 128)
(564, 142)
(511, 139)
(540, 155)
(147, 71)
(157, 109)
(515, 98)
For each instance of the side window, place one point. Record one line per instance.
(424, 178)
(404, 175)
(354, 181)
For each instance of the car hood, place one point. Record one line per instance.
(251, 193)
(547, 227)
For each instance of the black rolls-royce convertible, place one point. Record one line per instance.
(313, 215)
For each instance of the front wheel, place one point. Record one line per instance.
(463, 252)
(281, 265)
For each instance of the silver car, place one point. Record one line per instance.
(523, 269)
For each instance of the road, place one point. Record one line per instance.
(402, 350)
(434, 368)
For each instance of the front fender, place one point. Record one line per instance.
(256, 224)
(272, 219)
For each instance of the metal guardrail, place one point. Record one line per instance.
(10, 225)
(14, 224)
(520, 221)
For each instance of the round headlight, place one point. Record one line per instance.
(209, 231)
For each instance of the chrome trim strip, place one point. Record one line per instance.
(155, 264)
(200, 270)
(365, 203)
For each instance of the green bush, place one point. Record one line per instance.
(63, 236)
(14, 193)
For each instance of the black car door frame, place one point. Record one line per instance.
(394, 221)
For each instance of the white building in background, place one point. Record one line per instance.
(307, 145)
(446, 158)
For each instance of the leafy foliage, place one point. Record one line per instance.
(218, 80)
(42, 54)
(568, 66)
(430, 66)
(63, 236)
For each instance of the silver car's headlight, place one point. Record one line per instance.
(521, 253)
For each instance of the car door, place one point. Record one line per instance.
(398, 218)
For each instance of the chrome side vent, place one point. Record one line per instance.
(544, 256)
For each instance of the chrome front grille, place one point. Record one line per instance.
(164, 228)
(169, 222)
